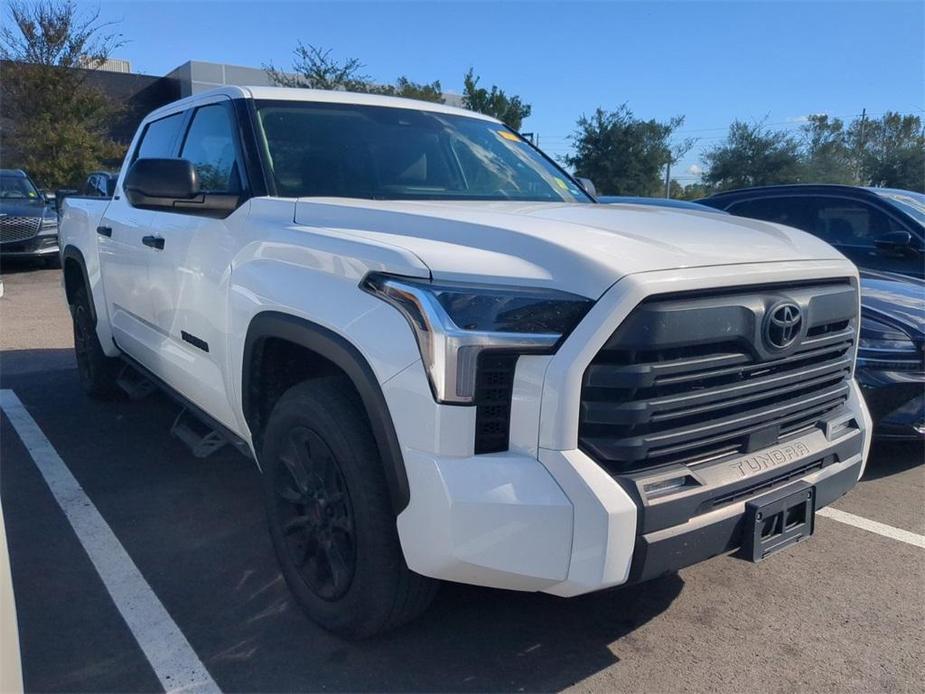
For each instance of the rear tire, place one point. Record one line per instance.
(96, 371)
(330, 514)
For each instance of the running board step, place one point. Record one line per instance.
(202, 440)
(135, 385)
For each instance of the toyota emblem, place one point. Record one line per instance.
(783, 325)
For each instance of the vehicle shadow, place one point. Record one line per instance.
(892, 457)
(197, 532)
(16, 266)
(471, 639)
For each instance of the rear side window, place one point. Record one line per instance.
(160, 138)
(210, 146)
(792, 211)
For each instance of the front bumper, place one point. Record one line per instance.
(544, 516)
(558, 523)
(40, 246)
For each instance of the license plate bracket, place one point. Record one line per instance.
(778, 520)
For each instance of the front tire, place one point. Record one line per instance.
(96, 371)
(330, 515)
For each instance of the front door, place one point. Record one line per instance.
(189, 275)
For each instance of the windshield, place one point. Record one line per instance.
(382, 153)
(913, 204)
(17, 188)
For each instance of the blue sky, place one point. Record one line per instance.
(708, 61)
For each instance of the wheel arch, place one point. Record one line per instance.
(72, 258)
(274, 325)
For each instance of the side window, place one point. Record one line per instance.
(792, 211)
(210, 146)
(850, 222)
(160, 138)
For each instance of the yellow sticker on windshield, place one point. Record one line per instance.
(508, 135)
(562, 184)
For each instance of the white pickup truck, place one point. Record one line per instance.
(450, 362)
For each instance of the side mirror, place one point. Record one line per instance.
(588, 185)
(49, 197)
(172, 185)
(894, 241)
(159, 183)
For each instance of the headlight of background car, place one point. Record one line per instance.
(49, 225)
(455, 323)
(880, 342)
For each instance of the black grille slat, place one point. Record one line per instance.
(708, 399)
(639, 447)
(646, 405)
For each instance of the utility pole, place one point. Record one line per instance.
(668, 179)
(860, 152)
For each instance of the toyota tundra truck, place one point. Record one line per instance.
(450, 363)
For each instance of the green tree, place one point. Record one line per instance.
(890, 150)
(316, 68)
(510, 110)
(55, 125)
(622, 154)
(696, 191)
(407, 89)
(827, 155)
(753, 155)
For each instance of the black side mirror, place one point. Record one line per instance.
(159, 183)
(894, 241)
(172, 185)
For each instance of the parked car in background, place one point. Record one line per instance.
(876, 228)
(891, 356)
(656, 202)
(99, 184)
(28, 222)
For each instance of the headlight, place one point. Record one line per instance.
(455, 323)
(877, 337)
(49, 225)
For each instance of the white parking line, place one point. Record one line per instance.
(873, 526)
(172, 658)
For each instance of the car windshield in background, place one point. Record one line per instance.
(913, 204)
(383, 153)
(17, 188)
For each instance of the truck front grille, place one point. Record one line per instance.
(692, 378)
(18, 228)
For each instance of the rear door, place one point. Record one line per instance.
(123, 234)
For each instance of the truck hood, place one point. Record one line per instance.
(581, 248)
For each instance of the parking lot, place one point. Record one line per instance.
(844, 611)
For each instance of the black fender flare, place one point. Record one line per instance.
(73, 253)
(344, 355)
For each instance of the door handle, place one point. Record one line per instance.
(104, 231)
(154, 242)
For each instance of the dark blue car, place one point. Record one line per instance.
(891, 353)
(28, 222)
(876, 228)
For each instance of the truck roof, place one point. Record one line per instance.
(319, 96)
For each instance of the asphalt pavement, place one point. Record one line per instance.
(842, 612)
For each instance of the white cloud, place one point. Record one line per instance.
(804, 118)
(694, 170)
